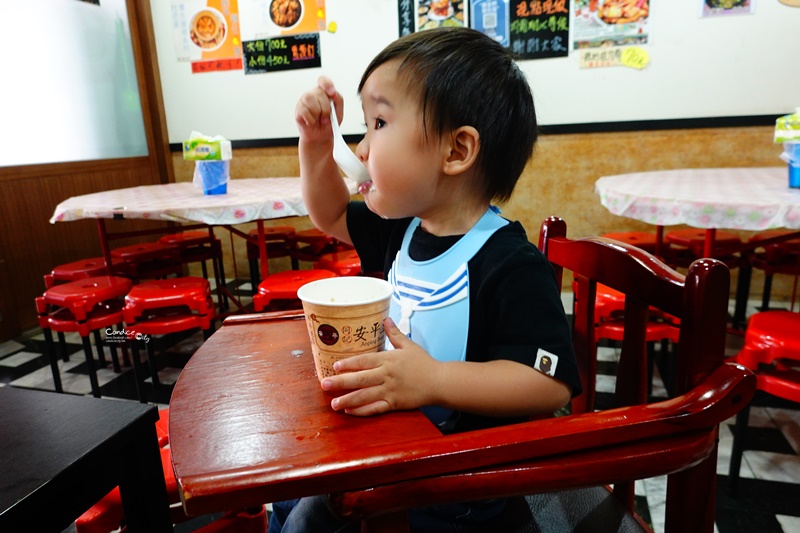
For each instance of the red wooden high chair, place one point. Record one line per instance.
(771, 350)
(200, 246)
(85, 307)
(158, 307)
(560, 470)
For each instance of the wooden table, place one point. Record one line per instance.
(249, 424)
(60, 454)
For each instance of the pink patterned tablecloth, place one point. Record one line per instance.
(246, 200)
(728, 198)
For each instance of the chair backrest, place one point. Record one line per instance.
(590, 449)
(699, 299)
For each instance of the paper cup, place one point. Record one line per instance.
(344, 316)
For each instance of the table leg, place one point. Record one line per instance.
(101, 228)
(142, 486)
(262, 250)
(708, 244)
(660, 242)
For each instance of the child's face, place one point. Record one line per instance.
(404, 169)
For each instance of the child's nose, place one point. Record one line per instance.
(362, 149)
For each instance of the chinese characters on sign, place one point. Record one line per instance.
(540, 29)
(289, 52)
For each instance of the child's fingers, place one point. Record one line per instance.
(398, 339)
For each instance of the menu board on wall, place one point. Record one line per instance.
(290, 52)
(540, 29)
(206, 33)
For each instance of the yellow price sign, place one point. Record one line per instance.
(635, 57)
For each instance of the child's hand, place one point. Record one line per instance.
(403, 378)
(313, 111)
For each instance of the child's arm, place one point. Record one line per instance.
(324, 191)
(408, 378)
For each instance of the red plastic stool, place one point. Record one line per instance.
(641, 239)
(280, 242)
(284, 286)
(685, 246)
(200, 246)
(317, 244)
(771, 350)
(83, 268)
(777, 258)
(342, 263)
(148, 260)
(159, 307)
(85, 306)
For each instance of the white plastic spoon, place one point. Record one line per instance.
(346, 159)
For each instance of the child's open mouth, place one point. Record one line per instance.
(366, 187)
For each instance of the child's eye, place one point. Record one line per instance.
(379, 123)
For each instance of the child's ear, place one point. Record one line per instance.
(461, 150)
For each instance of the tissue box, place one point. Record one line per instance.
(207, 150)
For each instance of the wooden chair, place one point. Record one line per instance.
(566, 463)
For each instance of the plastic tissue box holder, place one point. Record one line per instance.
(213, 175)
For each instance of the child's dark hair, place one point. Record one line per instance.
(465, 78)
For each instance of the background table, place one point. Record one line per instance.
(247, 200)
(60, 454)
(752, 199)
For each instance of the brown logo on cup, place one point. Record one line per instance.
(328, 334)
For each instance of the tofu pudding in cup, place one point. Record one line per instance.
(344, 317)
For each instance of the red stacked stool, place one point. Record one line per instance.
(147, 261)
(159, 307)
(686, 246)
(771, 350)
(83, 268)
(85, 307)
(315, 245)
(345, 263)
(284, 285)
(199, 247)
(776, 258)
(279, 241)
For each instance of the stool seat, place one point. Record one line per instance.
(82, 295)
(186, 238)
(103, 316)
(83, 268)
(346, 263)
(770, 336)
(190, 291)
(284, 285)
(147, 260)
(694, 239)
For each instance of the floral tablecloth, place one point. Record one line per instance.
(728, 198)
(247, 200)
